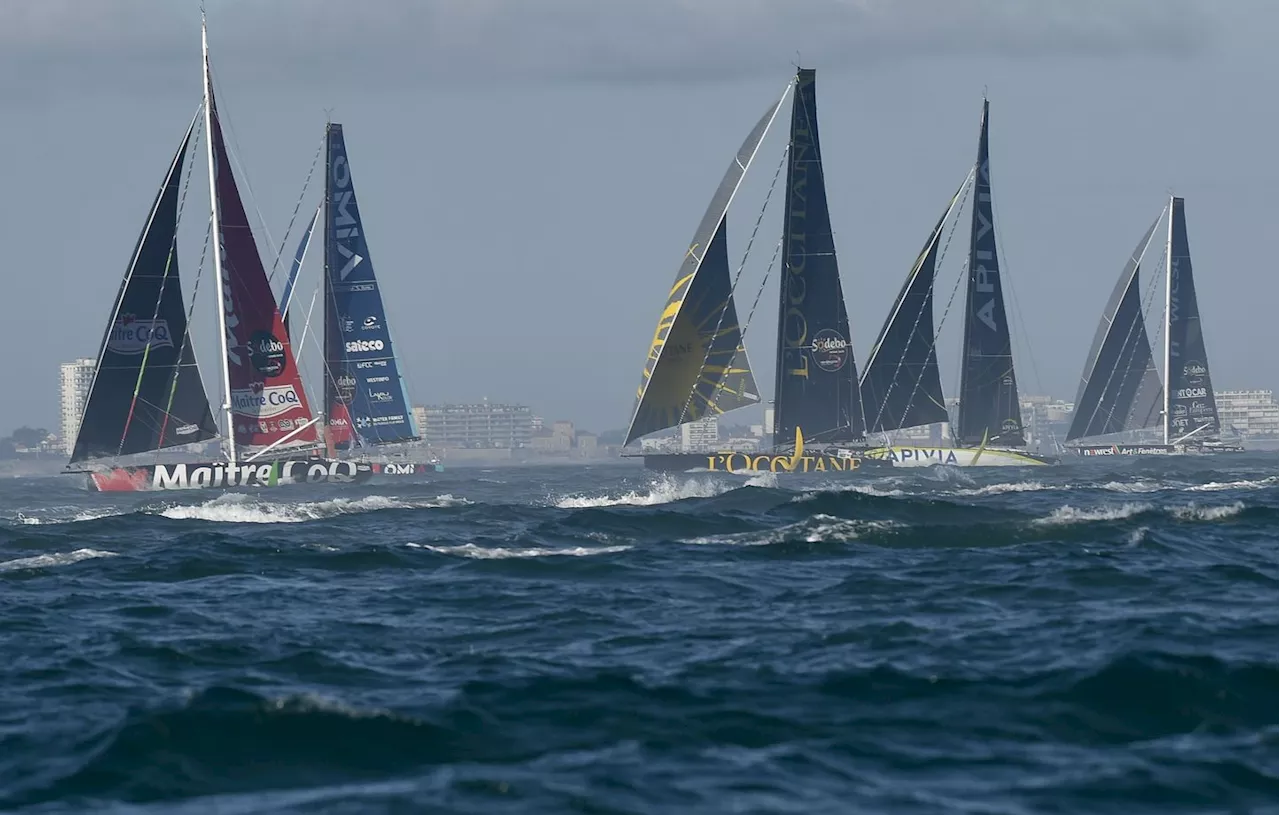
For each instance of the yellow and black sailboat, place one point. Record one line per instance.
(697, 365)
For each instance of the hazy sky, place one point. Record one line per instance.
(530, 172)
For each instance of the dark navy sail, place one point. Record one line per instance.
(147, 393)
(817, 377)
(1190, 404)
(901, 385)
(364, 392)
(1120, 389)
(989, 409)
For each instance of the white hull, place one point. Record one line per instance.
(928, 456)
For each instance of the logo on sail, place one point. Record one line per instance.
(266, 353)
(264, 402)
(1193, 372)
(830, 350)
(346, 388)
(130, 335)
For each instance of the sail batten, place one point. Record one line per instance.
(989, 411)
(365, 394)
(698, 328)
(147, 393)
(816, 385)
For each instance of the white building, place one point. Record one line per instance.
(1251, 413)
(76, 379)
(700, 435)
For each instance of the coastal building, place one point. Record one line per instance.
(76, 379)
(481, 426)
(1247, 413)
(700, 435)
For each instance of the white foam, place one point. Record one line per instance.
(1191, 512)
(1217, 486)
(470, 550)
(78, 516)
(817, 529)
(1070, 515)
(56, 559)
(1130, 486)
(1000, 489)
(246, 509)
(663, 491)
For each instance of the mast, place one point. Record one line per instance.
(217, 239)
(1168, 333)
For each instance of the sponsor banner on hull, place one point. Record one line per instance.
(735, 462)
(406, 468)
(1123, 450)
(220, 475)
(956, 457)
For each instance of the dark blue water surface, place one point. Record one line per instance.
(1099, 637)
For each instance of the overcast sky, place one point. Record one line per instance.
(530, 172)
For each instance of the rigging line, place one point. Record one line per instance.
(728, 300)
(155, 313)
(305, 186)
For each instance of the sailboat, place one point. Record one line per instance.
(366, 398)
(1120, 390)
(697, 365)
(901, 384)
(147, 394)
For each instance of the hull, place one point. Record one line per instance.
(1095, 450)
(221, 475)
(913, 456)
(735, 462)
(405, 468)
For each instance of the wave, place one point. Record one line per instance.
(55, 559)
(471, 550)
(241, 508)
(1189, 512)
(223, 740)
(816, 529)
(663, 490)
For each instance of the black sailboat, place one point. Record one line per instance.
(902, 385)
(1120, 388)
(697, 364)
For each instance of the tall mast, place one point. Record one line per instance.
(217, 241)
(1168, 304)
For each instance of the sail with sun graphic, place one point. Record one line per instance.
(697, 365)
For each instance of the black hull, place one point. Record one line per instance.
(1101, 450)
(729, 461)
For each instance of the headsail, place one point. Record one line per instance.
(901, 385)
(286, 298)
(268, 404)
(1190, 405)
(147, 393)
(817, 377)
(989, 408)
(1120, 388)
(696, 364)
(364, 392)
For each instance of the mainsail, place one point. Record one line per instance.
(1120, 388)
(901, 385)
(365, 394)
(268, 405)
(1190, 405)
(696, 364)
(817, 377)
(989, 409)
(147, 393)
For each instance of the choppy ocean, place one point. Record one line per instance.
(1095, 638)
